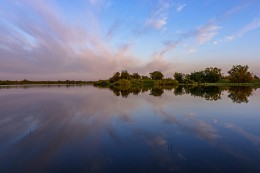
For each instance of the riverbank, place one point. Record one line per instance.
(168, 82)
(125, 82)
(28, 82)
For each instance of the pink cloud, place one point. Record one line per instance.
(46, 47)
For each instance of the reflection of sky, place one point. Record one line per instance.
(64, 129)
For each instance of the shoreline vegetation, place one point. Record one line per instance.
(212, 76)
(29, 82)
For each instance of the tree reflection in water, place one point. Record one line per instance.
(240, 94)
(156, 92)
(212, 93)
(208, 92)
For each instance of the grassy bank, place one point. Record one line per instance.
(136, 83)
(28, 82)
(129, 83)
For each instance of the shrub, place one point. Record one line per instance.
(123, 82)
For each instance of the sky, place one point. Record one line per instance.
(92, 39)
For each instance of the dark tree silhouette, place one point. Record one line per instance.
(115, 77)
(156, 75)
(125, 75)
(240, 74)
(179, 77)
(212, 74)
(136, 76)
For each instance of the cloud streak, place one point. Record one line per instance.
(208, 31)
(180, 7)
(45, 40)
(46, 47)
(202, 35)
(255, 24)
(159, 16)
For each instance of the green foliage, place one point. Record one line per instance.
(149, 82)
(211, 93)
(179, 77)
(224, 81)
(240, 74)
(115, 77)
(156, 75)
(125, 75)
(197, 77)
(136, 82)
(102, 83)
(188, 81)
(167, 82)
(257, 82)
(145, 77)
(28, 82)
(136, 76)
(209, 75)
(212, 74)
(123, 82)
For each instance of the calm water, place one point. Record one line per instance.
(87, 129)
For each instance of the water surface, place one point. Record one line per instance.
(87, 129)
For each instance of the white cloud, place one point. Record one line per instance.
(206, 32)
(159, 16)
(156, 23)
(51, 49)
(180, 7)
(251, 26)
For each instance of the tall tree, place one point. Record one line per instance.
(144, 77)
(197, 76)
(115, 77)
(136, 76)
(125, 75)
(240, 74)
(179, 77)
(156, 75)
(212, 74)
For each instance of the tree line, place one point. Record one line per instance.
(27, 82)
(237, 74)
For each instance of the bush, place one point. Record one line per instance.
(123, 82)
(136, 82)
(167, 82)
(224, 81)
(189, 81)
(102, 83)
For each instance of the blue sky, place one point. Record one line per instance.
(92, 39)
